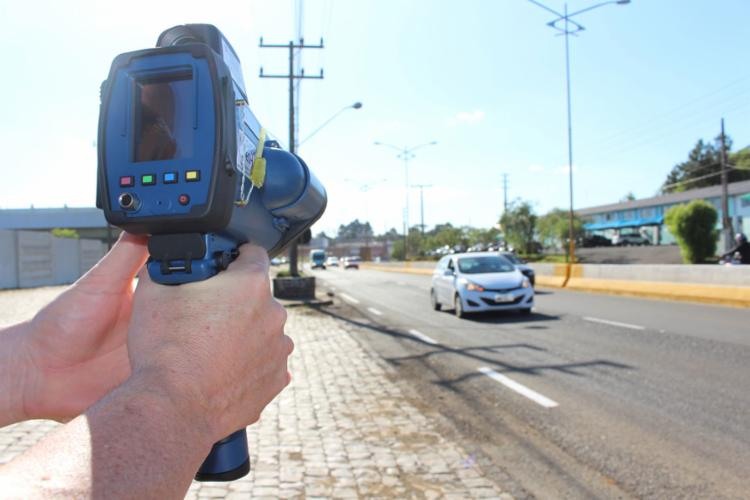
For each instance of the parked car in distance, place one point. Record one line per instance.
(595, 240)
(276, 261)
(317, 259)
(522, 266)
(627, 239)
(480, 282)
(332, 261)
(351, 262)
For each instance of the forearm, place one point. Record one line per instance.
(137, 442)
(14, 371)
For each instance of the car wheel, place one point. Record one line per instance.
(525, 311)
(458, 307)
(435, 304)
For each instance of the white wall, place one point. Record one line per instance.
(35, 266)
(8, 260)
(34, 258)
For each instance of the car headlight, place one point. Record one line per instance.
(473, 287)
(525, 283)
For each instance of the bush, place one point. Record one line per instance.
(65, 233)
(694, 227)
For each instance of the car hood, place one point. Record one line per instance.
(524, 267)
(496, 281)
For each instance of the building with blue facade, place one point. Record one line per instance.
(646, 216)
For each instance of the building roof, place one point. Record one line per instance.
(734, 188)
(50, 218)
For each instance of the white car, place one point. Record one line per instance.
(479, 282)
(332, 261)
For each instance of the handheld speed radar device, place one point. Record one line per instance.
(184, 160)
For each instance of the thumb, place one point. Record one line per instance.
(118, 268)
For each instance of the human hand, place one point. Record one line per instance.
(75, 347)
(216, 347)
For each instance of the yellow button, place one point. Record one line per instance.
(192, 175)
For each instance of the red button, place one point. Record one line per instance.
(127, 181)
(183, 199)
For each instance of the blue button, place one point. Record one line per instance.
(170, 177)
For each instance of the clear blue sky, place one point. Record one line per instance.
(483, 78)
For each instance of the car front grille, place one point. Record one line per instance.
(502, 290)
(491, 302)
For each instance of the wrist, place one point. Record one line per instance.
(176, 400)
(16, 370)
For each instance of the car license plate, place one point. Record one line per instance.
(504, 297)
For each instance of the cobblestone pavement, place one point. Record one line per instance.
(342, 429)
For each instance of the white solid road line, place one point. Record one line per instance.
(614, 323)
(374, 311)
(519, 388)
(349, 298)
(424, 338)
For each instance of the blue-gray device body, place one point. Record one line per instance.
(177, 141)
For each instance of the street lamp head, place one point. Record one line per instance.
(623, 2)
(358, 104)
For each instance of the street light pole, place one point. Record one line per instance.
(421, 203)
(406, 154)
(571, 28)
(356, 105)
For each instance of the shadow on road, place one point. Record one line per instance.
(508, 317)
(486, 355)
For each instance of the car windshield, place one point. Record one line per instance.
(512, 258)
(485, 264)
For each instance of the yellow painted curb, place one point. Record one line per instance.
(691, 292)
(407, 270)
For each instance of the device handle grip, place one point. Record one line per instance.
(228, 460)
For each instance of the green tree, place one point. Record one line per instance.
(397, 252)
(703, 166)
(519, 224)
(554, 228)
(65, 233)
(355, 230)
(694, 227)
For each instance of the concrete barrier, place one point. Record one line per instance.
(35, 267)
(711, 284)
(66, 267)
(35, 258)
(8, 259)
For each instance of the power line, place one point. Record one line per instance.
(292, 76)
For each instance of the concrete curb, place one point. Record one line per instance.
(735, 296)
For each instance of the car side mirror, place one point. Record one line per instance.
(448, 272)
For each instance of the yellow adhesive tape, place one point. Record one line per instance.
(258, 170)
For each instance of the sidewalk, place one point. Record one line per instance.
(342, 429)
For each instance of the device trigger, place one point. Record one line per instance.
(223, 259)
(281, 224)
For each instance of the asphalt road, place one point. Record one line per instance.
(592, 396)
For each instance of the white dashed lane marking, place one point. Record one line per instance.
(374, 311)
(349, 298)
(614, 323)
(424, 338)
(519, 388)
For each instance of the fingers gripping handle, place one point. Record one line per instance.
(228, 460)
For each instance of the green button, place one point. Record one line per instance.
(148, 180)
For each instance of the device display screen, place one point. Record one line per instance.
(163, 119)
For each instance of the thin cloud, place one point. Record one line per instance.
(465, 118)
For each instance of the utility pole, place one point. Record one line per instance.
(421, 203)
(505, 193)
(406, 154)
(291, 76)
(726, 222)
